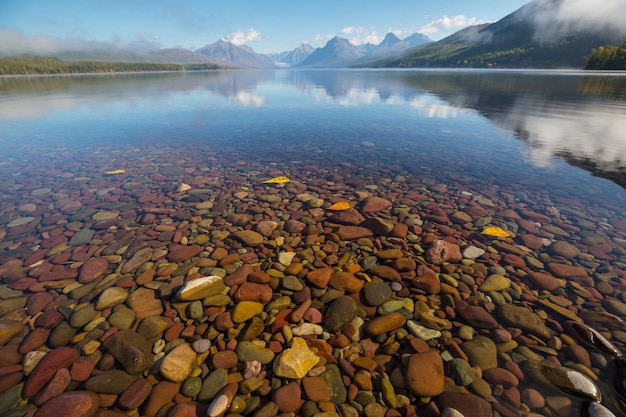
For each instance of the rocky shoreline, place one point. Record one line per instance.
(193, 289)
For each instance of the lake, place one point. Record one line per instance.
(359, 242)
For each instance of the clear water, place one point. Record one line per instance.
(550, 142)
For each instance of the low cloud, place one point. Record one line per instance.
(358, 35)
(320, 40)
(555, 17)
(447, 23)
(241, 38)
(15, 42)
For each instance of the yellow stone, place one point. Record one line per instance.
(277, 180)
(90, 347)
(560, 310)
(506, 346)
(9, 329)
(245, 310)
(295, 362)
(495, 231)
(342, 205)
(178, 363)
(495, 282)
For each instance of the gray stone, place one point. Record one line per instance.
(340, 313)
(376, 292)
(461, 371)
(131, 349)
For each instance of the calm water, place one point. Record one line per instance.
(545, 142)
(509, 127)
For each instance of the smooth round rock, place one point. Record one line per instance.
(111, 297)
(113, 381)
(340, 313)
(248, 352)
(376, 292)
(481, 351)
(384, 324)
(425, 374)
(122, 318)
(70, 404)
(287, 397)
(92, 269)
(199, 288)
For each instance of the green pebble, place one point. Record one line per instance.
(195, 310)
(389, 394)
(238, 405)
(390, 307)
(465, 332)
(191, 387)
(252, 403)
(250, 385)
(497, 298)
(212, 384)
(248, 352)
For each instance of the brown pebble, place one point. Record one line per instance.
(424, 374)
(70, 404)
(225, 359)
(135, 394)
(287, 397)
(384, 324)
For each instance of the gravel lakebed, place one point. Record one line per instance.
(187, 286)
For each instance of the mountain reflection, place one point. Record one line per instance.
(576, 116)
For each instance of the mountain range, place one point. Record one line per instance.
(531, 37)
(534, 36)
(338, 52)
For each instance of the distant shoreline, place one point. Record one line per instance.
(34, 65)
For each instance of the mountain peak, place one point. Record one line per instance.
(337, 52)
(390, 39)
(242, 56)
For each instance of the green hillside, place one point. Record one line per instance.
(32, 65)
(608, 57)
(512, 42)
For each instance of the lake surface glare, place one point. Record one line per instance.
(443, 239)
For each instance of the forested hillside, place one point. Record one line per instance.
(609, 57)
(32, 65)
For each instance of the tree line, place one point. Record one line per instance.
(608, 57)
(34, 65)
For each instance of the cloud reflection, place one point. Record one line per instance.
(585, 131)
(248, 99)
(577, 117)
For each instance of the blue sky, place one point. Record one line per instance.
(267, 26)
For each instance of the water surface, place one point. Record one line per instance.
(540, 155)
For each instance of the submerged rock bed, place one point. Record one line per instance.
(185, 287)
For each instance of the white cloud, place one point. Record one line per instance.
(320, 40)
(358, 35)
(447, 23)
(242, 38)
(605, 15)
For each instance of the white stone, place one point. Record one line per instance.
(307, 329)
(472, 252)
(31, 360)
(285, 258)
(422, 332)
